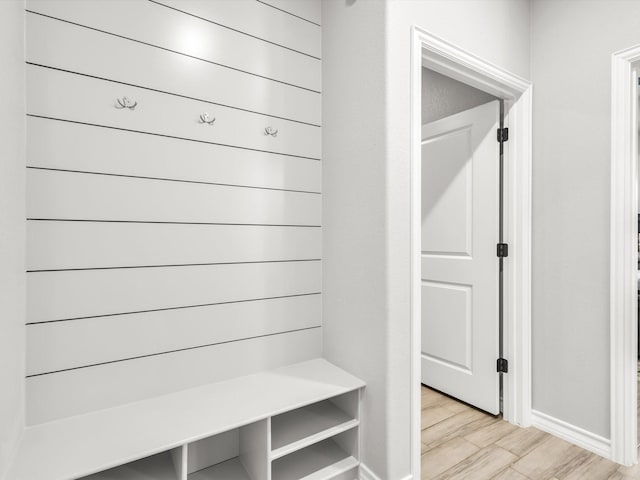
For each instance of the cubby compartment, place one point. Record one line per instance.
(239, 454)
(352, 474)
(313, 423)
(227, 470)
(326, 460)
(163, 466)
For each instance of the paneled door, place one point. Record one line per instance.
(460, 286)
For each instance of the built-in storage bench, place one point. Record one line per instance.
(296, 422)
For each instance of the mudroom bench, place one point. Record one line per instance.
(296, 422)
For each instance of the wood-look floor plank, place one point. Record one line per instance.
(522, 441)
(447, 455)
(455, 426)
(633, 471)
(434, 415)
(491, 434)
(551, 458)
(594, 467)
(482, 465)
(621, 476)
(575, 459)
(432, 398)
(509, 474)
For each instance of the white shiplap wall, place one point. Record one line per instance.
(163, 253)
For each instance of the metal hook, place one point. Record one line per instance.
(204, 118)
(124, 102)
(271, 131)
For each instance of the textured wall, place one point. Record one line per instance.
(572, 43)
(12, 228)
(354, 226)
(443, 96)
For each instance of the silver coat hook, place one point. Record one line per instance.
(271, 131)
(204, 118)
(124, 102)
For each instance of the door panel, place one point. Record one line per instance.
(460, 208)
(447, 334)
(446, 195)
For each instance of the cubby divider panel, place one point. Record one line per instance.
(179, 458)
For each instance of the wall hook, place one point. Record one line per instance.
(124, 102)
(205, 118)
(271, 131)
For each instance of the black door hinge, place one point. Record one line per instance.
(503, 250)
(502, 365)
(503, 134)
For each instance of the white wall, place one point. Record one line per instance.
(366, 112)
(162, 252)
(354, 224)
(572, 43)
(443, 96)
(12, 228)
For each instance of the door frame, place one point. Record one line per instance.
(430, 51)
(624, 256)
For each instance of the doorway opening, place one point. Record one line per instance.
(445, 59)
(461, 229)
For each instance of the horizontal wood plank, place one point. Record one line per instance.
(80, 196)
(78, 343)
(71, 47)
(310, 10)
(258, 19)
(54, 245)
(67, 96)
(157, 25)
(74, 392)
(71, 146)
(74, 294)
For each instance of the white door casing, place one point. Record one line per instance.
(460, 209)
(625, 65)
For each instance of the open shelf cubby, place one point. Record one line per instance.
(156, 467)
(320, 461)
(227, 470)
(238, 454)
(313, 423)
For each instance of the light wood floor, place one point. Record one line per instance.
(460, 442)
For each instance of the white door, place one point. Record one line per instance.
(460, 213)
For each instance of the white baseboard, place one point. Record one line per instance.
(576, 435)
(367, 474)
